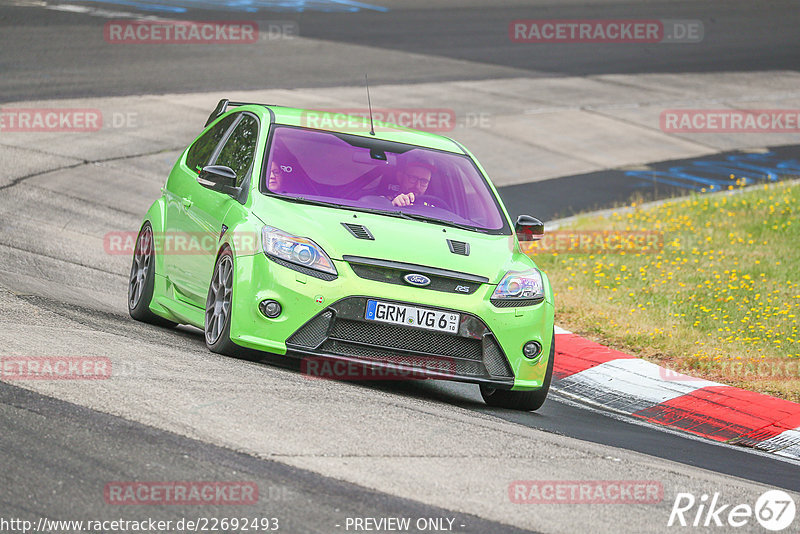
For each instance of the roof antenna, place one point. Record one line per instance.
(369, 103)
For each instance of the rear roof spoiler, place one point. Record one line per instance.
(223, 106)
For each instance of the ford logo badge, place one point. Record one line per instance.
(415, 279)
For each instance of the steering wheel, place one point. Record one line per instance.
(437, 202)
(375, 199)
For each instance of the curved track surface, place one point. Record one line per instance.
(56, 53)
(319, 451)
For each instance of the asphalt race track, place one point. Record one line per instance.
(321, 452)
(58, 54)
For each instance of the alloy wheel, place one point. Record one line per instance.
(218, 304)
(140, 268)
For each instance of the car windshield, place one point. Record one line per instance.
(375, 175)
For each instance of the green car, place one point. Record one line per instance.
(367, 251)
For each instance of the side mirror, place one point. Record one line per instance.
(219, 178)
(529, 228)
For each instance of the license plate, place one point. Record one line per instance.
(387, 312)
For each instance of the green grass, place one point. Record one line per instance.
(720, 299)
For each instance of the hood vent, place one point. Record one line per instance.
(360, 232)
(458, 247)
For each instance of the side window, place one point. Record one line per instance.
(240, 149)
(203, 148)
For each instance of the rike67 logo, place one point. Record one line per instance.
(774, 510)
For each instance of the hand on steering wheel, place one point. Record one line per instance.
(409, 199)
(433, 201)
(403, 199)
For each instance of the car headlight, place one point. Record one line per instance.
(294, 249)
(527, 285)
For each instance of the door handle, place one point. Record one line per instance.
(187, 202)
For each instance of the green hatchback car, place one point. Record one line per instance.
(367, 251)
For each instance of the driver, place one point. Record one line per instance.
(413, 179)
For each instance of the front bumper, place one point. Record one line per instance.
(340, 331)
(325, 319)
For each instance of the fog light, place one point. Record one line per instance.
(270, 308)
(532, 349)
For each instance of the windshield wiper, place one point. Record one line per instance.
(395, 213)
(444, 222)
(303, 200)
(415, 217)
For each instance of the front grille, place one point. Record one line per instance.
(395, 276)
(494, 359)
(406, 339)
(447, 366)
(341, 330)
(314, 332)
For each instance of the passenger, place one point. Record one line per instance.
(279, 177)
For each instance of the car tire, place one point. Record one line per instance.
(219, 306)
(142, 280)
(522, 400)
